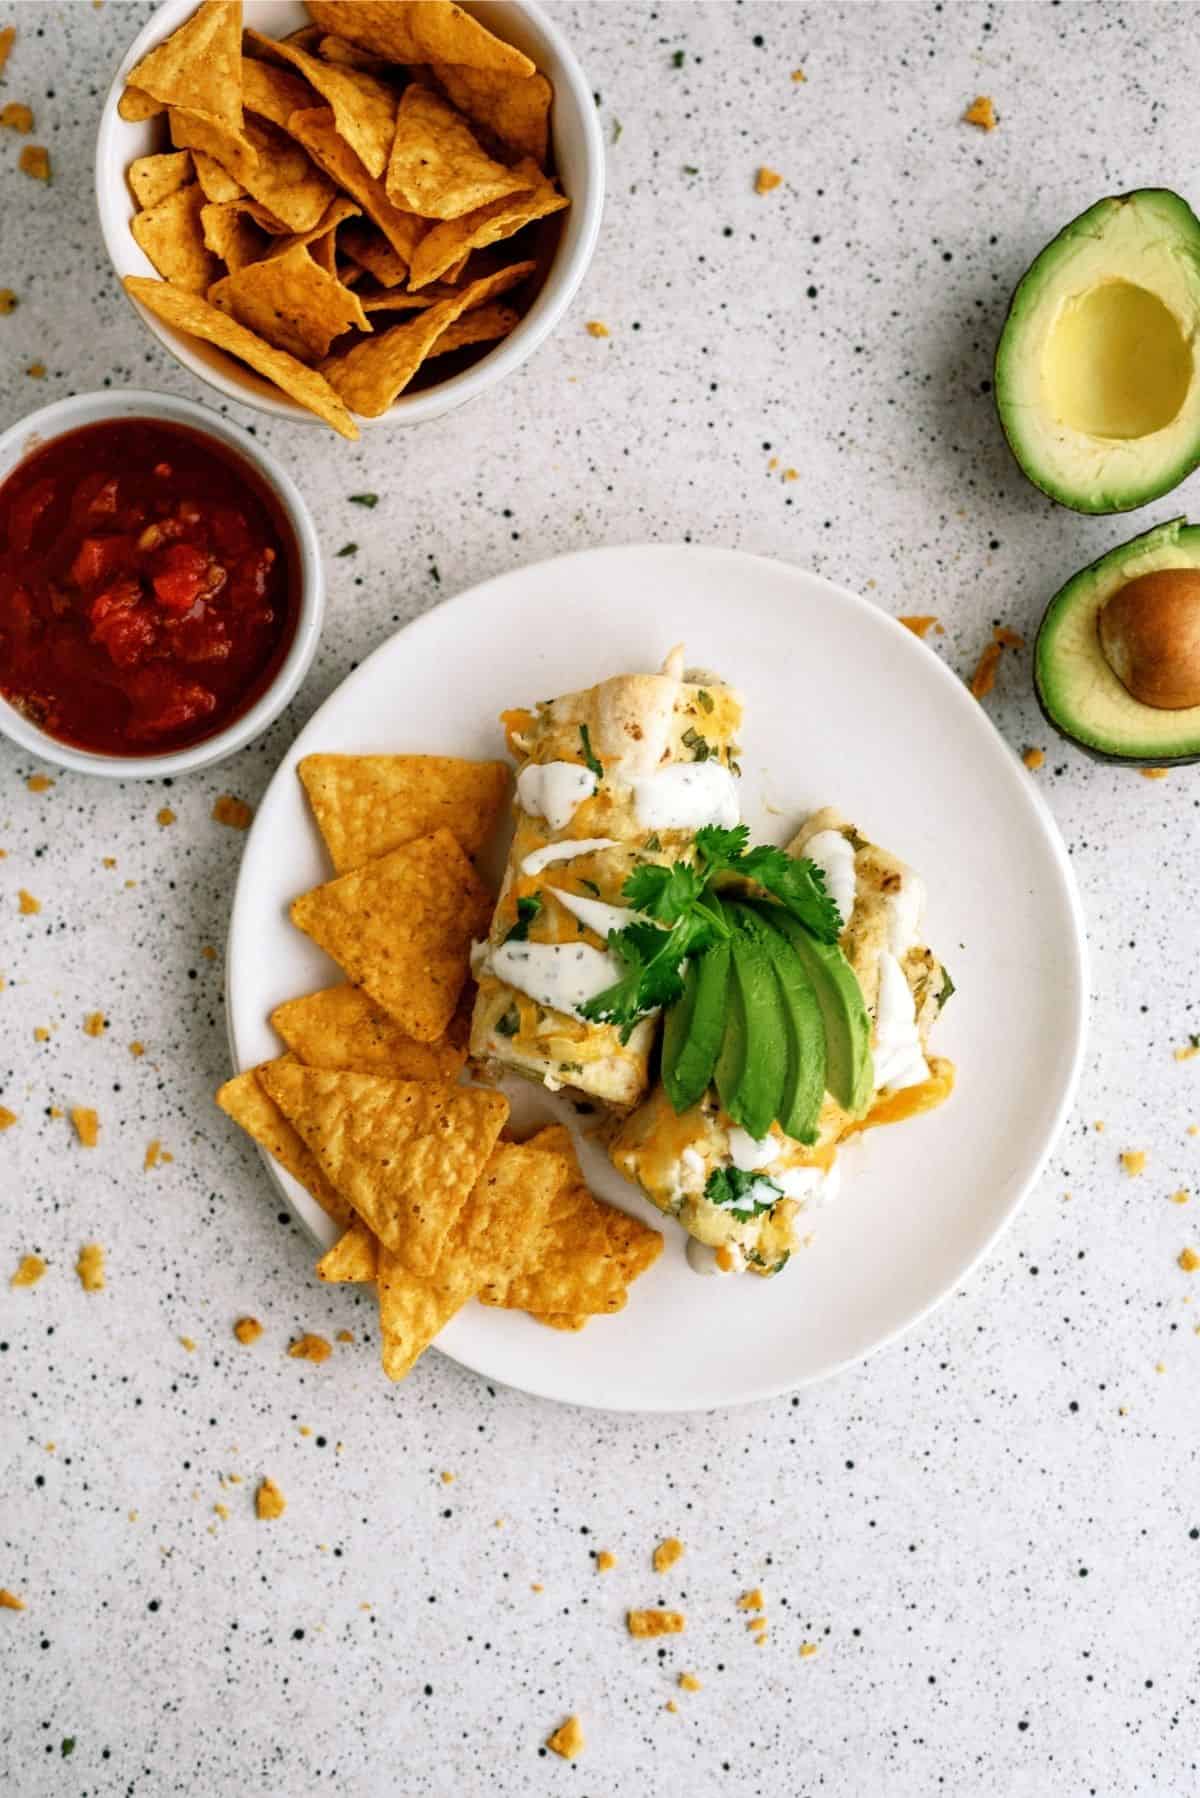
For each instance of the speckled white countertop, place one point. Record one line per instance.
(992, 1531)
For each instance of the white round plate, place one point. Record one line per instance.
(845, 707)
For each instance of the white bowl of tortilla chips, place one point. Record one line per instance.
(359, 209)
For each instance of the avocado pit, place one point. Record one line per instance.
(1150, 635)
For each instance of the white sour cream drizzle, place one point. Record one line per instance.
(559, 975)
(702, 1258)
(899, 1058)
(904, 913)
(809, 1182)
(596, 914)
(554, 791)
(565, 851)
(686, 796)
(749, 1155)
(834, 855)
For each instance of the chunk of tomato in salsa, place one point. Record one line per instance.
(148, 587)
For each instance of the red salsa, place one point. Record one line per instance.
(149, 587)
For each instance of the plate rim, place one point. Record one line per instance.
(958, 694)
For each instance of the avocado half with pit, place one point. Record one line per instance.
(1097, 382)
(1117, 663)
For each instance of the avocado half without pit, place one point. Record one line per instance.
(1117, 664)
(1096, 379)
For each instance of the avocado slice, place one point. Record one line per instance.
(692, 1041)
(1096, 384)
(1077, 689)
(753, 1060)
(850, 1073)
(804, 1078)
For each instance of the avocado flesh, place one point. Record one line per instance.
(1078, 691)
(692, 1043)
(804, 1078)
(1096, 384)
(850, 1072)
(753, 1060)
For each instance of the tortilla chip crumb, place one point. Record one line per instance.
(596, 328)
(16, 116)
(447, 1479)
(671, 1705)
(1098, 1126)
(345, 1335)
(8, 301)
(767, 180)
(234, 812)
(1133, 1161)
(919, 623)
(605, 1561)
(165, 816)
(667, 1553)
(984, 677)
(36, 371)
(153, 1150)
(29, 1271)
(41, 1034)
(1034, 758)
(208, 952)
(799, 75)
(39, 783)
(35, 160)
(981, 112)
(1154, 773)
(807, 1650)
(536, 1588)
(87, 1125)
(269, 1501)
(757, 1623)
(1189, 1261)
(55, 1111)
(1181, 1197)
(690, 1683)
(222, 1511)
(94, 1024)
(9, 1600)
(655, 1623)
(29, 906)
(7, 1118)
(90, 1267)
(108, 861)
(1160, 1367)
(752, 1600)
(137, 1049)
(187, 1343)
(567, 1739)
(310, 1348)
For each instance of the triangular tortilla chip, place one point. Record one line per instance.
(487, 324)
(316, 131)
(289, 300)
(354, 1257)
(443, 247)
(321, 237)
(374, 372)
(404, 1153)
(516, 109)
(218, 184)
(572, 1266)
(402, 929)
(365, 805)
(135, 106)
(369, 247)
(231, 235)
(419, 31)
(346, 55)
(341, 1028)
(636, 1246)
(152, 178)
(274, 93)
(495, 1230)
(246, 1100)
(199, 66)
(194, 130)
(364, 109)
(172, 235)
(437, 166)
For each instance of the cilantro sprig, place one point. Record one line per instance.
(744, 1195)
(685, 917)
(527, 910)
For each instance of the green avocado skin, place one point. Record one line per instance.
(850, 1072)
(692, 1036)
(1011, 348)
(804, 1077)
(753, 1060)
(1064, 708)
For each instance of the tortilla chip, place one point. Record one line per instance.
(136, 107)
(494, 1231)
(218, 184)
(402, 928)
(274, 93)
(404, 1153)
(193, 130)
(188, 312)
(322, 238)
(354, 1257)
(368, 246)
(394, 301)
(172, 236)
(246, 1100)
(636, 1247)
(572, 1267)
(152, 178)
(364, 110)
(232, 236)
(315, 130)
(515, 109)
(438, 167)
(346, 55)
(419, 31)
(371, 374)
(290, 301)
(559, 1320)
(444, 245)
(286, 179)
(199, 66)
(365, 805)
(485, 325)
(341, 1028)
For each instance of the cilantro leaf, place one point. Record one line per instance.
(744, 1195)
(527, 911)
(664, 893)
(718, 847)
(588, 753)
(653, 977)
(798, 884)
(348, 549)
(948, 987)
(370, 500)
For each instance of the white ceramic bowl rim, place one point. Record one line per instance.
(83, 409)
(573, 112)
